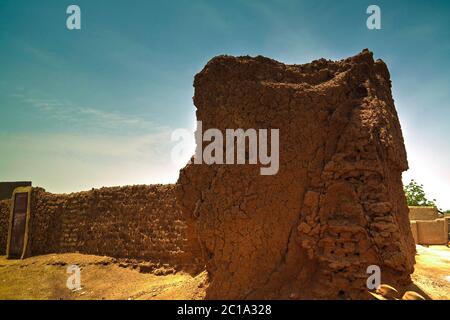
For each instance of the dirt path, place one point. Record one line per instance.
(44, 277)
(432, 271)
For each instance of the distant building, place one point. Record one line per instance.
(428, 226)
(7, 188)
(423, 213)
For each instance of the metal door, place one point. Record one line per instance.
(19, 220)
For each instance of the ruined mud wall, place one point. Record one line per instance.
(140, 222)
(423, 213)
(4, 224)
(336, 205)
(431, 232)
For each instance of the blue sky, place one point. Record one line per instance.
(96, 107)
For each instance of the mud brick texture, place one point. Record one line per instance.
(4, 224)
(141, 222)
(336, 205)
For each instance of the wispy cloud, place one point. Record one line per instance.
(40, 55)
(74, 162)
(106, 148)
(152, 147)
(67, 112)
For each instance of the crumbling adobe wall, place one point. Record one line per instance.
(336, 205)
(4, 224)
(431, 232)
(423, 213)
(141, 222)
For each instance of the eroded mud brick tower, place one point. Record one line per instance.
(336, 205)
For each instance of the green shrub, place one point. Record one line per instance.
(415, 196)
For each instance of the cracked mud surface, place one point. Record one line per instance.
(336, 205)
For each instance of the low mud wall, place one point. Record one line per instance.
(4, 222)
(430, 232)
(423, 213)
(141, 222)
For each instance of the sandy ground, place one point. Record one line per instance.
(44, 277)
(432, 271)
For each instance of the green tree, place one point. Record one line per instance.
(415, 196)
